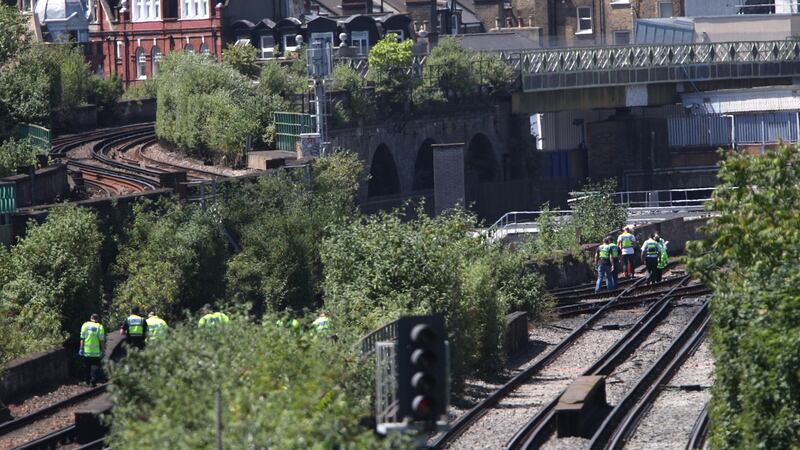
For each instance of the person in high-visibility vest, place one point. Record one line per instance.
(212, 318)
(627, 244)
(321, 323)
(134, 328)
(156, 327)
(605, 265)
(614, 257)
(663, 257)
(651, 251)
(93, 338)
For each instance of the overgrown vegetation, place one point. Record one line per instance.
(49, 282)
(749, 257)
(17, 153)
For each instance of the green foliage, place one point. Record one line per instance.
(172, 258)
(492, 72)
(15, 38)
(16, 153)
(31, 86)
(280, 388)
(208, 109)
(389, 63)
(50, 282)
(140, 91)
(388, 265)
(105, 93)
(281, 221)
(281, 80)
(749, 257)
(595, 213)
(76, 77)
(448, 72)
(348, 80)
(241, 58)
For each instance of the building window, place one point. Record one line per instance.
(622, 37)
(454, 25)
(665, 9)
(399, 33)
(360, 40)
(204, 49)
(267, 49)
(145, 10)
(188, 49)
(155, 57)
(119, 50)
(327, 38)
(141, 64)
(584, 20)
(193, 9)
(289, 43)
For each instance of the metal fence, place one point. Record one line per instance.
(8, 205)
(289, 126)
(40, 136)
(387, 332)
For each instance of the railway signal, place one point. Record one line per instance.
(423, 381)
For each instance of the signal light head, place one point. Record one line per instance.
(423, 358)
(423, 334)
(423, 382)
(422, 404)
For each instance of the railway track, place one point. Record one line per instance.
(40, 429)
(547, 378)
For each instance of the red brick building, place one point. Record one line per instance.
(135, 34)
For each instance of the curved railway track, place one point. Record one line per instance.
(617, 353)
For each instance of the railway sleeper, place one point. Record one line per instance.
(582, 407)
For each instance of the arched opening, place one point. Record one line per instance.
(423, 167)
(141, 64)
(383, 174)
(480, 164)
(188, 49)
(204, 49)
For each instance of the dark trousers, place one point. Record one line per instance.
(91, 366)
(135, 341)
(628, 263)
(651, 264)
(615, 272)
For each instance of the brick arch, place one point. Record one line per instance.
(384, 178)
(480, 162)
(423, 166)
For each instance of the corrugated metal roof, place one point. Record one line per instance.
(750, 100)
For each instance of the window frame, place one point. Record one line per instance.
(285, 45)
(363, 36)
(155, 57)
(263, 50)
(141, 64)
(326, 35)
(188, 48)
(204, 49)
(661, 4)
(619, 32)
(401, 36)
(590, 18)
(119, 50)
(194, 9)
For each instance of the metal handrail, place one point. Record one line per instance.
(387, 332)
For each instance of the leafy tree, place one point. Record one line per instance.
(381, 267)
(75, 75)
(146, 89)
(448, 72)
(16, 153)
(595, 213)
(389, 62)
(31, 86)
(15, 37)
(50, 282)
(281, 221)
(749, 257)
(241, 58)
(173, 258)
(282, 80)
(280, 388)
(348, 80)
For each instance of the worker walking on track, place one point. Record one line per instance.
(627, 244)
(212, 318)
(663, 257)
(135, 329)
(93, 338)
(651, 252)
(615, 258)
(156, 327)
(605, 265)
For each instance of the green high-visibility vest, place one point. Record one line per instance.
(614, 250)
(135, 325)
(92, 333)
(663, 257)
(321, 323)
(213, 319)
(156, 327)
(627, 240)
(651, 248)
(603, 251)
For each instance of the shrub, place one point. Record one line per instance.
(448, 71)
(346, 79)
(241, 58)
(280, 388)
(15, 37)
(172, 258)
(106, 93)
(389, 63)
(31, 86)
(143, 90)
(388, 265)
(281, 80)
(595, 213)
(50, 282)
(16, 153)
(749, 258)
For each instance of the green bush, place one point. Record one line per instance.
(595, 213)
(281, 221)
(172, 258)
(140, 91)
(388, 265)
(448, 72)
(105, 93)
(282, 80)
(76, 77)
(389, 64)
(208, 109)
(241, 58)
(280, 388)
(50, 282)
(749, 257)
(15, 37)
(31, 86)
(348, 80)
(16, 153)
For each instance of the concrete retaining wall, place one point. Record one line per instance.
(29, 373)
(566, 271)
(133, 111)
(45, 185)
(73, 120)
(516, 332)
(87, 117)
(677, 231)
